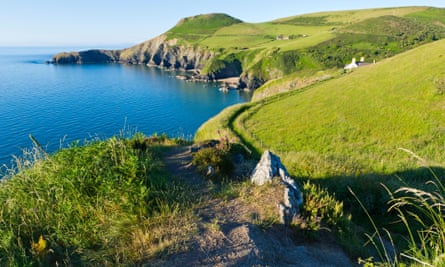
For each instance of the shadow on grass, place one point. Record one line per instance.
(372, 190)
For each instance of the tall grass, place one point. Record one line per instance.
(422, 213)
(104, 203)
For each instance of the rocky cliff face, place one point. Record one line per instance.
(164, 53)
(167, 54)
(155, 52)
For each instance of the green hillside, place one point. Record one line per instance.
(348, 131)
(218, 46)
(323, 41)
(355, 124)
(195, 28)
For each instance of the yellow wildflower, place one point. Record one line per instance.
(39, 248)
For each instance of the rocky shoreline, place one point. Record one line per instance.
(225, 84)
(165, 53)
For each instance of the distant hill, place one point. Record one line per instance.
(218, 46)
(193, 29)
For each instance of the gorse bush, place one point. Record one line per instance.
(89, 205)
(217, 157)
(321, 207)
(321, 210)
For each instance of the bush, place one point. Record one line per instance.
(320, 207)
(221, 155)
(217, 158)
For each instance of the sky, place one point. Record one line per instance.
(120, 23)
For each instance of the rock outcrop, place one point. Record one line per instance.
(87, 57)
(166, 53)
(158, 51)
(270, 166)
(250, 81)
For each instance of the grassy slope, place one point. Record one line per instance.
(317, 42)
(355, 124)
(263, 35)
(349, 16)
(359, 119)
(194, 29)
(347, 131)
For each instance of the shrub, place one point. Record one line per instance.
(221, 155)
(321, 208)
(217, 158)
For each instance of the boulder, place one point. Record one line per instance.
(270, 166)
(263, 172)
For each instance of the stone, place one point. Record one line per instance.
(263, 172)
(270, 166)
(210, 170)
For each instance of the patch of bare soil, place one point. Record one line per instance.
(243, 231)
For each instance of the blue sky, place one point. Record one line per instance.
(101, 22)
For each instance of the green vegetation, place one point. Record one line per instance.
(314, 42)
(260, 52)
(421, 213)
(218, 158)
(229, 66)
(346, 133)
(195, 28)
(339, 133)
(363, 115)
(105, 203)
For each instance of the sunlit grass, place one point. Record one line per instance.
(103, 203)
(362, 117)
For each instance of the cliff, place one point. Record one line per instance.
(167, 54)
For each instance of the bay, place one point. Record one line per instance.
(59, 104)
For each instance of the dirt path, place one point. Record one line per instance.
(228, 236)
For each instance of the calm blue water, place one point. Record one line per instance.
(78, 102)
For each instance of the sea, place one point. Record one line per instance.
(62, 104)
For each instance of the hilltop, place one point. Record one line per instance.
(217, 46)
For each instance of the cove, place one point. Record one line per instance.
(59, 104)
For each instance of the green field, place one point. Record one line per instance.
(271, 50)
(359, 119)
(317, 42)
